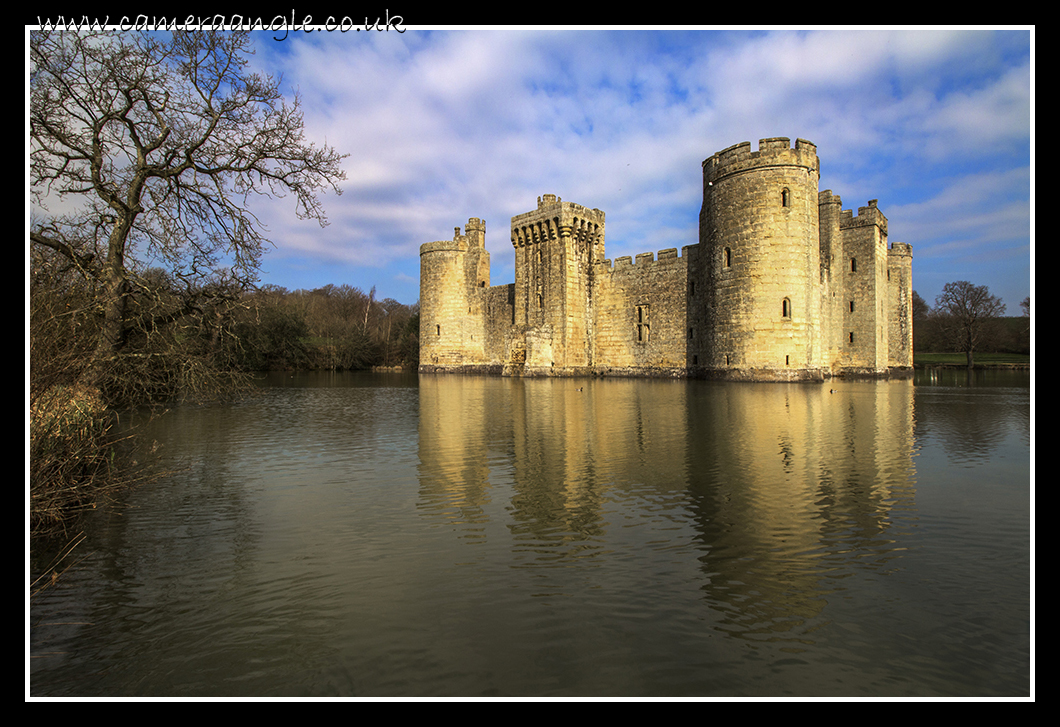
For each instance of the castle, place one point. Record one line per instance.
(784, 285)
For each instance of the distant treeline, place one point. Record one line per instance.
(933, 330)
(1001, 335)
(182, 340)
(336, 328)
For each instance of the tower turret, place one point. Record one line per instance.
(555, 248)
(863, 329)
(759, 234)
(454, 278)
(900, 300)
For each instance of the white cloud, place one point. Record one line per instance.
(449, 125)
(996, 113)
(972, 212)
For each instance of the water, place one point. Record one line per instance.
(392, 535)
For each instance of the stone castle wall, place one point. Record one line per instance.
(641, 314)
(759, 228)
(784, 285)
(865, 271)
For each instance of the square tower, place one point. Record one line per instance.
(555, 248)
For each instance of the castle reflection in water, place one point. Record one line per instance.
(777, 483)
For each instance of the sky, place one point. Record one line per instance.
(443, 125)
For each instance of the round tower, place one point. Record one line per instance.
(759, 235)
(454, 277)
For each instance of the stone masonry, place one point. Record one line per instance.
(784, 285)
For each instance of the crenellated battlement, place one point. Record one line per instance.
(784, 285)
(475, 232)
(826, 197)
(644, 260)
(776, 151)
(474, 236)
(900, 249)
(867, 217)
(457, 244)
(555, 219)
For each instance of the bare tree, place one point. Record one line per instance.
(921, 310)
(1024, 337)
(969, 311)
(149, 148)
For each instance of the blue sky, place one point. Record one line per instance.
(443, 125)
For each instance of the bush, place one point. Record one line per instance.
(74, 456)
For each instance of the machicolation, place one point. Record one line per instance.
(784, 285)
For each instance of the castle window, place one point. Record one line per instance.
(785, 197)
(785, 308)
(690, 333)
(851, 336)
(439, 329)
(540, 301)
(851, 306)
(853, 264)
(691, 287)
(727, 258)
(643, 325)
(787, 360)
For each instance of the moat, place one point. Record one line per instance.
(439, 535)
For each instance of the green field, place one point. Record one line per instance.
(981, 359)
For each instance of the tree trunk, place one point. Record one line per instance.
(115, 300)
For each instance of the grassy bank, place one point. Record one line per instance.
(982, 360)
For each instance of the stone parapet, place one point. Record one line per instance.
(783, 286)
(771, 152)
